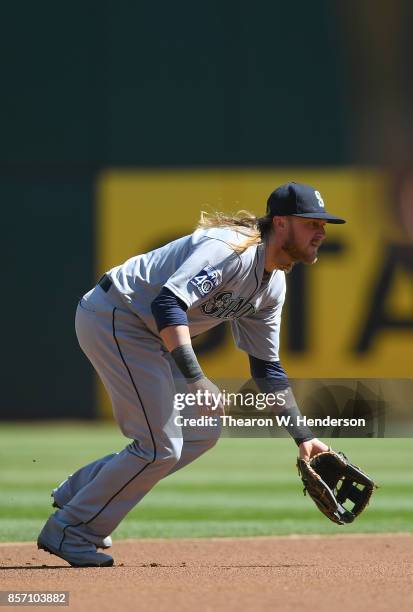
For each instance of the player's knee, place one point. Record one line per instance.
(169, 452)
(165, 452)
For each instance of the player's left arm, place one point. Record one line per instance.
(271, 377)
(259, 336)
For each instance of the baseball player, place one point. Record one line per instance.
(136, 327)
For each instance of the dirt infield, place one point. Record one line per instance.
(284, 573)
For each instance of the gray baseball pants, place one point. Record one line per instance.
(139, 377)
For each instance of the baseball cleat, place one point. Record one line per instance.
(79, 559)
(57, 539)
(106, 542)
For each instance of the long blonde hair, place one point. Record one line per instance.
(254, 228)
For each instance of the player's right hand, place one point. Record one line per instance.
(209, 396)
(310, 448)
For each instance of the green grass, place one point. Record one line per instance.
(243, 487)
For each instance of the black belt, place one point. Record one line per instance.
(105, 282)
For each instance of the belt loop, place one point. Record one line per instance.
(105, 283)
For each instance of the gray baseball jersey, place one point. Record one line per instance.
(215, 282)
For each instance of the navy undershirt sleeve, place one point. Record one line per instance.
(269, 375)
(168, 309)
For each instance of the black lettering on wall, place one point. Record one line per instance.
(379, 317)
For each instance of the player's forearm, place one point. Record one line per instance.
(300, 433)
(288, 409)
(172, 323)
(177, 340)
(271, 377)
(174, 336)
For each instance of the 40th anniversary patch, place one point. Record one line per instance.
(206, 280)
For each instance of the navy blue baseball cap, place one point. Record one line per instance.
(298, 200)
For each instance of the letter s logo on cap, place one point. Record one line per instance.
(319, 198)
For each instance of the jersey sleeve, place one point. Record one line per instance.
(209, 265)
(259, 334)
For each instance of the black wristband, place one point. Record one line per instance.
(187, 362)
(300, 433)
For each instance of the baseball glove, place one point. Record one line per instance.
(331, 481)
